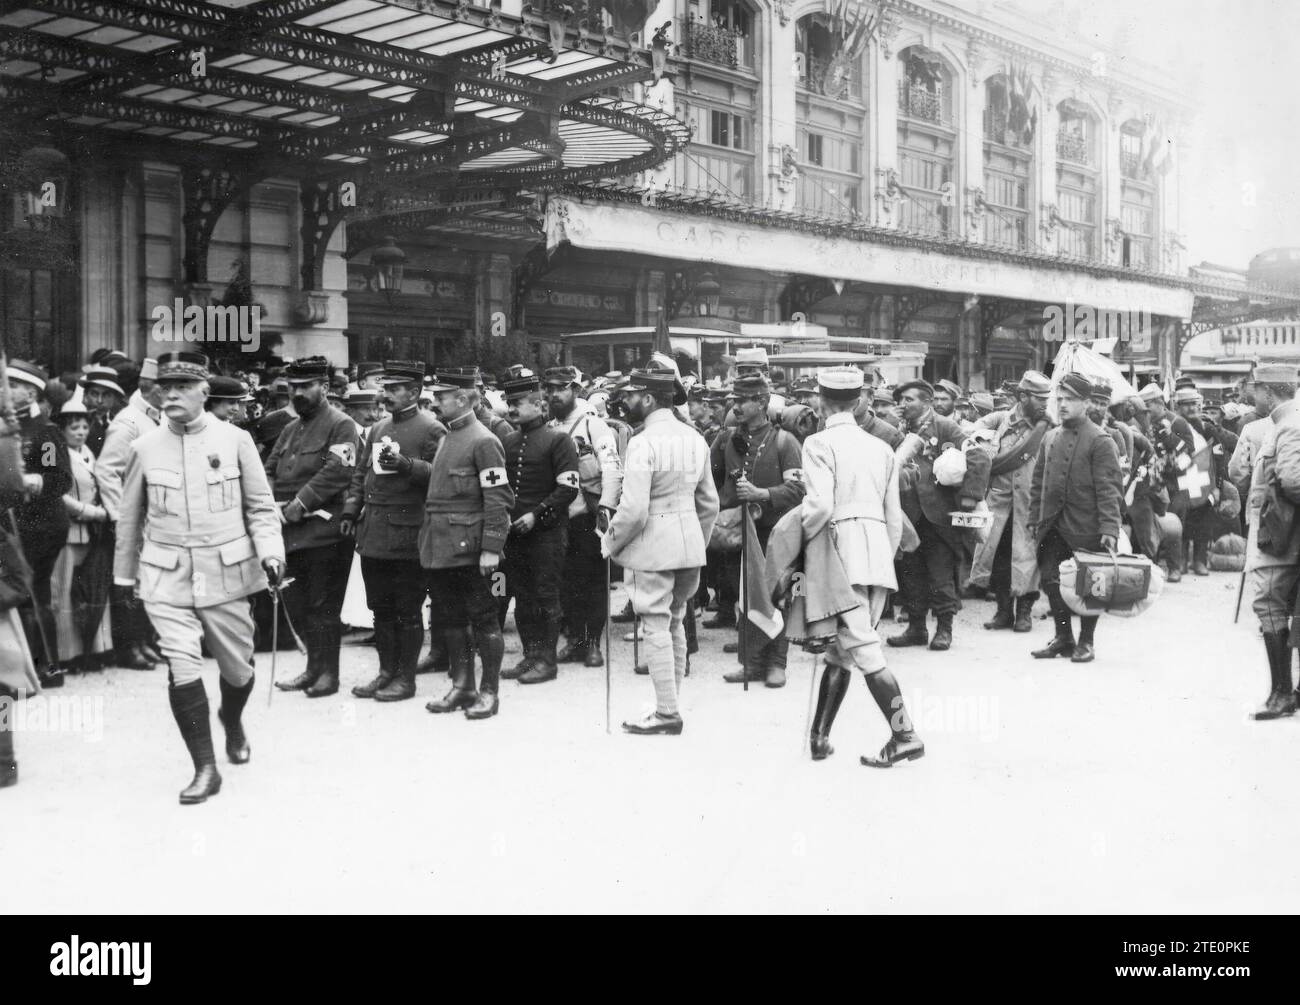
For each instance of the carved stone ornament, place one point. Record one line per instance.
(975, 59)
(783, 8)
(788, 166)
(889, 191)
(888, 30)
(312, 308)
(974, 208)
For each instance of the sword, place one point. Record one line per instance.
(275, 630)
(608, 652)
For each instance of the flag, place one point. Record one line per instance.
(762, 612)
(662, 343)
(1196, 473)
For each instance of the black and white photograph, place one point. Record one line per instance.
(642, 457)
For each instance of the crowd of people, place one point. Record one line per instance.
(164, 511)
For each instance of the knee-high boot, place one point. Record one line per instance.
(835, 684)
(460, 668)
(386, 647)
(1281, 700)
(491, 650)
(1062, 643)
(407, 639)
(190, 708)
(325, 638)
(231, 712)
(904, 744)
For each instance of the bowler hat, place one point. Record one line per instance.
(227, 389)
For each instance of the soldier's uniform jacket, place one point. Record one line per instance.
(138, 418)
(313, 461)
(871, 423)
(1278, 458)
(391, 506)
(542, 465)
(600, 471)
(921, 493)
(1077, 485)
(499, 427)
(44, 517)
(773, 461)
(196, 515)
(467, 506)
(1015, 443)
(709, 430)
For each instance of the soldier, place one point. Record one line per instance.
(466, 521)
(310, 469)
(1007, 560)
(271, 425)
(499, 426)
(763, 468)
(384, 509)
(197, 528)
(370, 376)
(1200, 514)
(702, 413)
(945, 398)
(1274, 567)
(1074, 504)
(42, 519)
(134, 640)
(864, 413)
(226, 397)
(583, 597)
(542, 464)
(852, 488)
(665, 516)
(930, 572)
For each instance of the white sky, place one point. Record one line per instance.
(1238, 59)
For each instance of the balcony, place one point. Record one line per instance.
(832, 78)
(713, 173)
(823, 192)
(717, 45)
(1073, 147)
(916, 101)
(1132, 166)
(925, 213)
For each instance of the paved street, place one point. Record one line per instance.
(1133, 784)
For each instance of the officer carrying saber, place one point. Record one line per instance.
(198, 532)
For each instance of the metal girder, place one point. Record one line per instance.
(322, 212)
(801, 293)
(207, 193)
(535, 264)
(908, 306)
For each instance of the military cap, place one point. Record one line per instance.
(1184, 381)
(1101, 391)
(402, 371)
(463, 378)
(1215, 406)
(924, 386)
(280, 386)
(982, 402)
(1152, 392)
(947, 385)
(227, 389)
(1075, 385)
(361, 396)
(103, 377)
(561, 376)
(367, 367)
(183, 366)
(756, 356)
(149, 369)
(111, 355)
(752, 383)
(1275, 373)
(660, 383)
(804, 385)
(519, 387)
(1033, 382)
(841, 383)
(303, 371)
(884, 395)
(1186, 396)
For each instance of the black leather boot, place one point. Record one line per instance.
(233, 700)
(436, 661)
(131, 658)
(544, 657)
(460, 668)
(1083, 651)
(775, 655)
(942, 640)
(491, 649)
(528, 638)
(1281, 701)
(1024, 621)
(835, 684)
(914, 635)
(1063, 642)
(386, 647)
(409, 638)
(8, 765)
(904, 744)
(1004, 618)
(190, 708)
(310, 674)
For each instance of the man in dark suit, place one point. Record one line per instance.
(1074, 505)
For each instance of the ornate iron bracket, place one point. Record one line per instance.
(908, 306)
(208, 191)
(322, 212)
(802, 293)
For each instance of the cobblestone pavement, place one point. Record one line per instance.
(1136, 783)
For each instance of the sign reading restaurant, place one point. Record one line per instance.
(632, 229)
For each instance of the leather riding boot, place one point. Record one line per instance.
(1024, 621)
(575, 650)
(310, 674)
(131, 658)
(942, 640)
(1062, 643)
(491, 650)
(835, 684)
(752, 671)
(1201, 558)
(1281, 701)
(914, 635)
(904, 744)
(594, 657)
(1083, 651)
(409, 638)
(189, 704)
(528, 638)
(386, 647)
(688, 625)
(436, 661)
(774, 658)
(544, 658)
(1004, 618)
(231, 712)
(460, 668)
(151, 652)
(328, 681)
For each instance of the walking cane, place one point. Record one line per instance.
(608, 653)
(1241, 588)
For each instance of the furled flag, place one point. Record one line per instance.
(762, 612)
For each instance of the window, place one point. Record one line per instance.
(1130, 150)
(727, 130)
(1006, 194)
(926, 143)
(1137, 220)
(813, 152)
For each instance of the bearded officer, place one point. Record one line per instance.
(466, 521)
(197, 527)
(384, 509)
(665, 517)
(851, 479)
(310, 469)
(542, 464)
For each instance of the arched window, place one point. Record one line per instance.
(927, 164)
(1010, 122)
(830, 55)
(720, 32)
(830, 117)
(1077, 180)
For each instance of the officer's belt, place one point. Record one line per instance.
(855, 511)
(658, 509)
(190, 539)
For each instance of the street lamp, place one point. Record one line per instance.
(708, 293)
(389, 262)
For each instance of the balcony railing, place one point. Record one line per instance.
(711, 172)
(828, 193)
(715, 44)
(916, 101)
(833, 78)
(1073, 148)
(923, 213)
